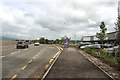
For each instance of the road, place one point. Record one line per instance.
(71, 65)
(26, 63)
(32, 62)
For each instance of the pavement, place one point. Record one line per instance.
(71, 65)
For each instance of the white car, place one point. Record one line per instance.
(82, 47)
(112, 49)
(36, 44)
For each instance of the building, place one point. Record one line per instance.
(111, 38)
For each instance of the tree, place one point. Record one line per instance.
(46, 41)
(102, 34)
(42, 40)
(117, 28)
(57, 41)
(61, 41)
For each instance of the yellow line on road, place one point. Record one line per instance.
(24, 67)
(13, 78)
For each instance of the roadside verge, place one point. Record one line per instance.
(102, 66)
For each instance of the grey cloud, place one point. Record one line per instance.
(9, 27)
(58, 18)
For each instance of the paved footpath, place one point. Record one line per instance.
(71, 65)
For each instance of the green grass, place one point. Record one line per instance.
(104, 56)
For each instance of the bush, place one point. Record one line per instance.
(104, 56)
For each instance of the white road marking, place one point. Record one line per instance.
(24, 67)
(49, 68)
(14, 77)
(2, 56)
(30, 61)
(34, 57)
(13, 52)
(25, 49)
(18, 51)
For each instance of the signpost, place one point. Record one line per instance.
(66, 42)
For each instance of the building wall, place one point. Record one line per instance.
(86, 38)
(111, 37)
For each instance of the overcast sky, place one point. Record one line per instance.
(56, 18)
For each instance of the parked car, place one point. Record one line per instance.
(97, 46)
(36, 44)
(82, 44)
(112, 50)
(87, 45)
(107, 46)
(21, 44)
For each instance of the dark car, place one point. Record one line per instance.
(21, 44)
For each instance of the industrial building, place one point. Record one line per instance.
(111, 38)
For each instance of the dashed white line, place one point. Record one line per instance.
(18, 51)
(13, 52)
(25, 49)
(14, 77)
(34, 57)
(30, 61)
(24, 67)
(2, 56)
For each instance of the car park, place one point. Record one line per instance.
(97, 46)
(21, 44)
(112, 50)
(107, 46)
(83, 44)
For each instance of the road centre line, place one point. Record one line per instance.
(30, 61)
(13, 78)
(34, 57)
(14, 52)
(19, 51)
(2, 56)
(24, 67)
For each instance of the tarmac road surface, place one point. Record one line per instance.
(71, 65)
(26, 63)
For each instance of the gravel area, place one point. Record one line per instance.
(113, 73)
